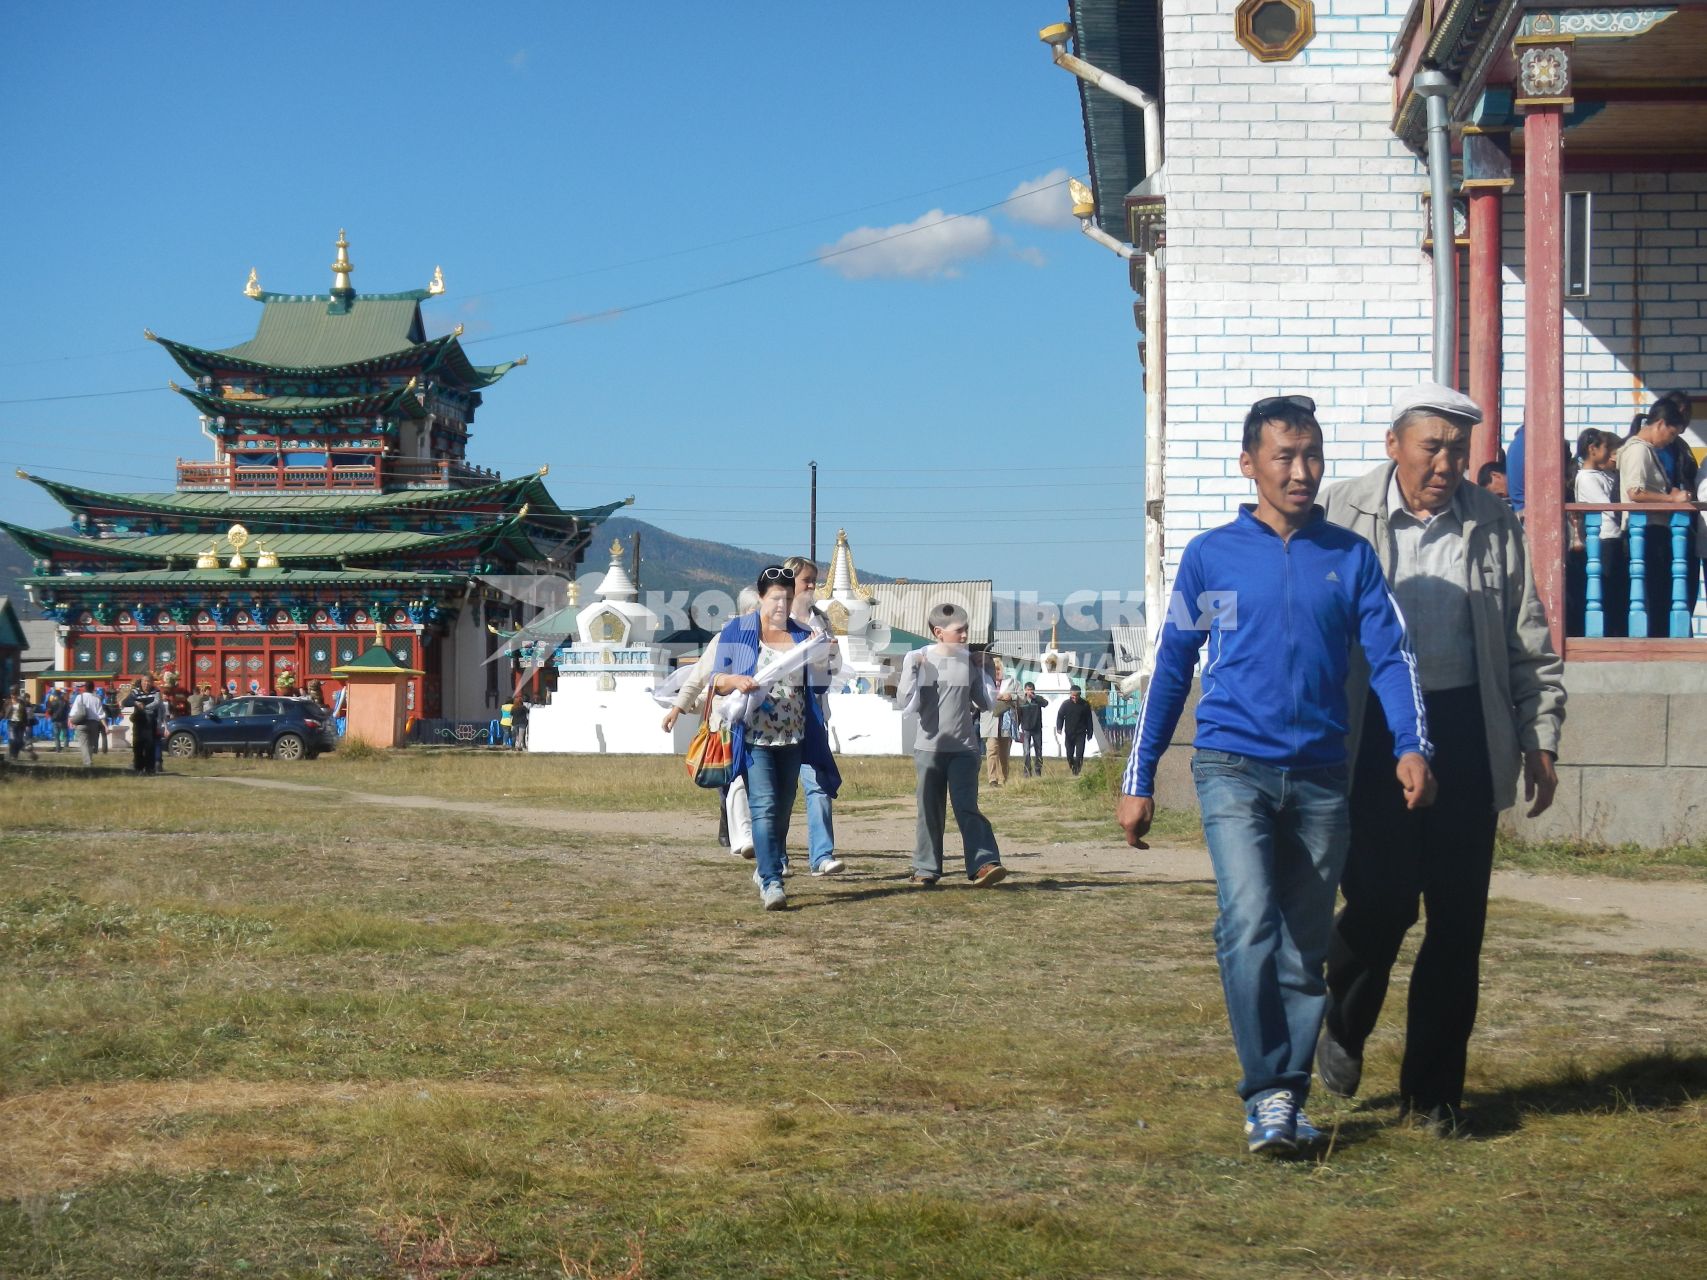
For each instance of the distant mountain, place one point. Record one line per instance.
(670, 562)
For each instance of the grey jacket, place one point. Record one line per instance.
(1522, 679)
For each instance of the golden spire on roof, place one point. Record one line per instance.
(437, 285)
(615, 548)
(253, 288)
(341, 268)
(574, 592)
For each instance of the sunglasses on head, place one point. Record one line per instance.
(1279, 404)
(776, 573)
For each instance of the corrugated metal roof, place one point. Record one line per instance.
(302, 332)
(227, 578)
(1122, 37)
(290, 546)
(907, 605)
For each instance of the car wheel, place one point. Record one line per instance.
(288, 747)
(182, 745)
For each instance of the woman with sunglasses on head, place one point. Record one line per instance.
(783, 730)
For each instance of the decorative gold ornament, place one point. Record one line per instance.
(615, 548)
(378, 627)
(574, 592)
(253, 288)
(437, 285)
(237, 535)
(209, 559)
(265, 559)
(1084, 202)
(341, 268)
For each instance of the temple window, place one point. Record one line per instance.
(1275, 30)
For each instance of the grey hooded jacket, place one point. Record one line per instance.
(1522, 679)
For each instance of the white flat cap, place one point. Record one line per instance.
(1439, 399)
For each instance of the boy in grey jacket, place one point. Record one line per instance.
(948, 685)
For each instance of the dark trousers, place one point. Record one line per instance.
(1031, 754)
(1443, 856)
(1075, 747)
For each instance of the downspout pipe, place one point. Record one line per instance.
(1089, 227)
(1056, 38)
(1434, 87)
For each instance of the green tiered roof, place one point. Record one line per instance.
(402, 403)
(229, 579)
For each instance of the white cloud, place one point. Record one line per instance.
(1042, 202)
(932, 245)
(519, 60)
(1032, 257)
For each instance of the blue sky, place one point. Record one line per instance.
(970, 391)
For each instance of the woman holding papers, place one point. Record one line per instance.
(771, 668)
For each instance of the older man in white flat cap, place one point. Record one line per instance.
(1458, 565)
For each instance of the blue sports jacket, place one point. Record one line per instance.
(1279, 618)
(738, 655)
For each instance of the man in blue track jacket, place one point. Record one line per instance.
(1279, 597)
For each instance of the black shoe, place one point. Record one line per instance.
(1437, 1121)
(1339, 1069)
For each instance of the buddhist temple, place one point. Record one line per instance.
(339, 498)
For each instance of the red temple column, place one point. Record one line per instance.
(1487, 177)
(1544, 87)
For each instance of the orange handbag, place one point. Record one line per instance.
(711, 754)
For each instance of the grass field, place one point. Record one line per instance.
(248, 1032)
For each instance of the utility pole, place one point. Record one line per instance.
(812, 539)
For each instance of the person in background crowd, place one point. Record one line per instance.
(108, 715)
(20, 719)
(783, 731)
(84, 717)
(1028, 723)
(1492, 477)
(1596, 481)
(519, 724)
(1075, 721)
(58, 708)
(202, 702)
(1514, 479)
(1643, 478)
(820, 809)
(1281, 598)
(997, 726)
(948, 685)
(1458, 565)
(146, 716)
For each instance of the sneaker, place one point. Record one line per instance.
(830, 866)
(990, 873)
(1271, 1125)
(924, 882)
(1339, 1069)
(786, 869)
(774, 898)
(1306, 1135)
(746, 851)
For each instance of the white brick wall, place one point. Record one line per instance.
(1293, 261)
(1649, 268)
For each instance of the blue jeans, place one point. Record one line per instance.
(820, 825)
(772, 779)
(1278, 841)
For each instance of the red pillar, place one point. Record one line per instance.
(1544, 351)
(1486, 321)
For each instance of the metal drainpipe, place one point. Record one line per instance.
(1434, 87)
(1155, 410)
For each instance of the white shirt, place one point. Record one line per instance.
(1601, 486)
(1431, 582)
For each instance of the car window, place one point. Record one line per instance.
(237, 707)
(266, 707)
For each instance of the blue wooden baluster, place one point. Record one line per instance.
(1638, 574)
(1594, 614)
(1678, 627)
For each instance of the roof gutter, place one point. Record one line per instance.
(1056, 38)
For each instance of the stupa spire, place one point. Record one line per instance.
(341, 268)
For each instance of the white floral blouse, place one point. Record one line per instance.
(781, 719)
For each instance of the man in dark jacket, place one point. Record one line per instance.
(1028, 711)
(1074, 721)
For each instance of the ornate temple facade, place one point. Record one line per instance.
(339, 499)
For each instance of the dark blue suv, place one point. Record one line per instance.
(285, 728)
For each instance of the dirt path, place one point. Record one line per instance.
(1630, 916)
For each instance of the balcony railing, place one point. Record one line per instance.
(386, 473)
(1606, 586)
